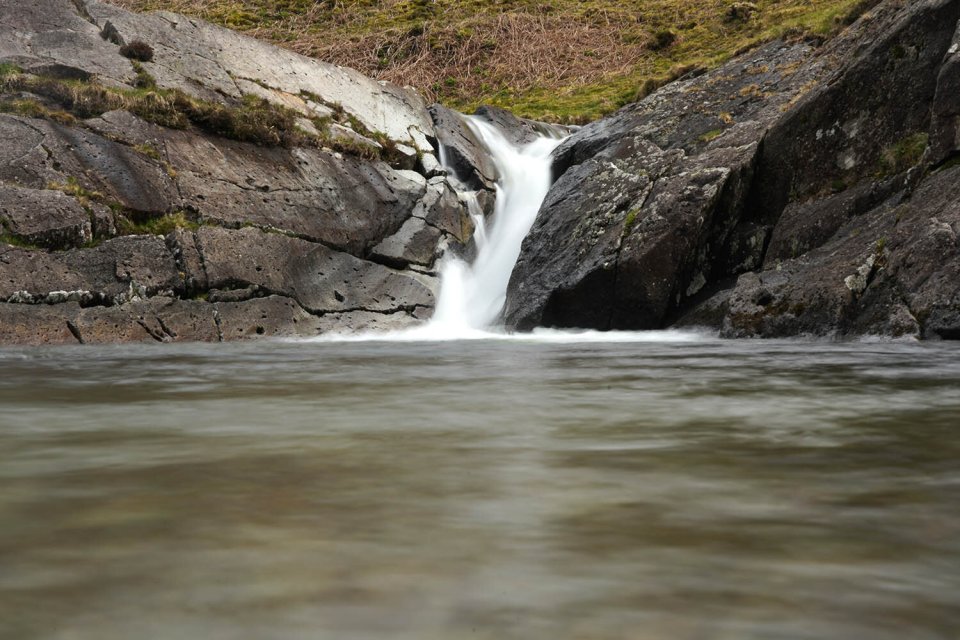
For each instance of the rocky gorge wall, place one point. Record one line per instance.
(221, 188)
(213, 188)
(801, 189)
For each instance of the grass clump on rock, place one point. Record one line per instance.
(137, 50)
(253, 119)
(903, 155)
(129, 224)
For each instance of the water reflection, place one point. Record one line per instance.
(481, 490)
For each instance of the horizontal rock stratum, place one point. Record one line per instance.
(164, 179)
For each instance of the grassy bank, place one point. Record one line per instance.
(562, 60)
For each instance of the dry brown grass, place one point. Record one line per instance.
(554, 59)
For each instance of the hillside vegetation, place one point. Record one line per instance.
(562, 60)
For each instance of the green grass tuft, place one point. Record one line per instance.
(903, 155)
(129, 224)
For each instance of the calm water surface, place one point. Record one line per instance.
(494, 490)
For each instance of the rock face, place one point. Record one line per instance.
(135, 223)
(790, 192)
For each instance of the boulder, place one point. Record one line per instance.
(416, 243)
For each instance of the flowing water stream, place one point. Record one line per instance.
(472, 295)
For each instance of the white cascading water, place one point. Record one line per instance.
(472, 295)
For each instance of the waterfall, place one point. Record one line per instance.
(472, 295)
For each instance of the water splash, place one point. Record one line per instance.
(472, 296)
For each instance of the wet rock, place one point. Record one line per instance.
(465, 152)
(520, 131)
(442, 209)
(359, 322)
(892, 271)
(945, 128)
(808, 225)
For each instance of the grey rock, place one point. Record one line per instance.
(271, 317)
(41, 153)
(462, 150)
(114, 272)
(47, 218)
(430, 166)
(37, 324)
(681, 192)
(174, 320)
(51, 34)
(107, 325)
(416, 243)
(344, 202)
(339, 132)
(320, 279)
(208, 61)
(183, 246)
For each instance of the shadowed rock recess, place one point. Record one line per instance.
(219, 188)
(799, 189)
